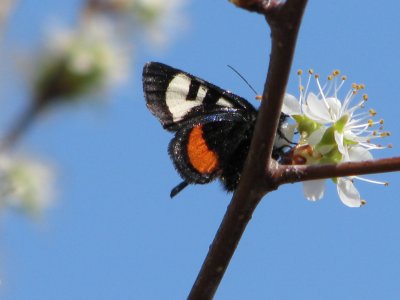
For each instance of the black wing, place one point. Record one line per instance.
(212, 146)
(175, 97)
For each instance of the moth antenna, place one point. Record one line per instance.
(178, 189)
(244, 79)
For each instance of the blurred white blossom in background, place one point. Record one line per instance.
(80, 60)
(158, 21)
(27, 184)
(159, 18)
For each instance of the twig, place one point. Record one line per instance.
(290, 174)
(284, 20)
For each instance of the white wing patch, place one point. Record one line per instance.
(176, 94)
(201, 93)
(177, 91)
(223, 102)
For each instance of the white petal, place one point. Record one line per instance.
(358, 153)
(316, 136)
(334, 106)
(350, 135)
(314, 189)
(341, 147)
(291, 105)
(316, 109)
(348, 193)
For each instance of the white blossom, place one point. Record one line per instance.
(334, 131)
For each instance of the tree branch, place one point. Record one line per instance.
(284, 20)
(291, 174)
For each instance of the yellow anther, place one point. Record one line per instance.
(372, 112)
(354, 85)
(365, 97)
(386, 184)
(362, 86)
(299, 72)
(336, 73)
(310, 71)
(330, 77)
(381, 121)
(370, 123)
(316, 76)
(301, 88)
(374, 133)
(363, 202)
(385, 134)
(344, 77)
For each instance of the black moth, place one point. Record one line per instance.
(213, 127)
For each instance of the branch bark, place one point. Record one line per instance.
(284, 20)
(291, 174)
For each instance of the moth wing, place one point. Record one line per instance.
(203, 150)
(175, 97)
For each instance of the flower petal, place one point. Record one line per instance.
(314, 189)
(358, 153)
(316, 109)
(341, 147)
(316, 136)
(348, 194)
(291, 105)
(334, 107)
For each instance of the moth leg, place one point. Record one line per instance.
(178, 188)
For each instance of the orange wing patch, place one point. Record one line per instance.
(204, 160)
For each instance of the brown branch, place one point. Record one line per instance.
(284, 20)
(290, 174)
(259, 6)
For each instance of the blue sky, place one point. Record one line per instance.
(115, 234)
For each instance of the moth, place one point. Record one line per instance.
(213, 127)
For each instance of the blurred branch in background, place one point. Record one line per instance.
(6, 7)
(73, 64)
(77, 63)
(95, 54)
